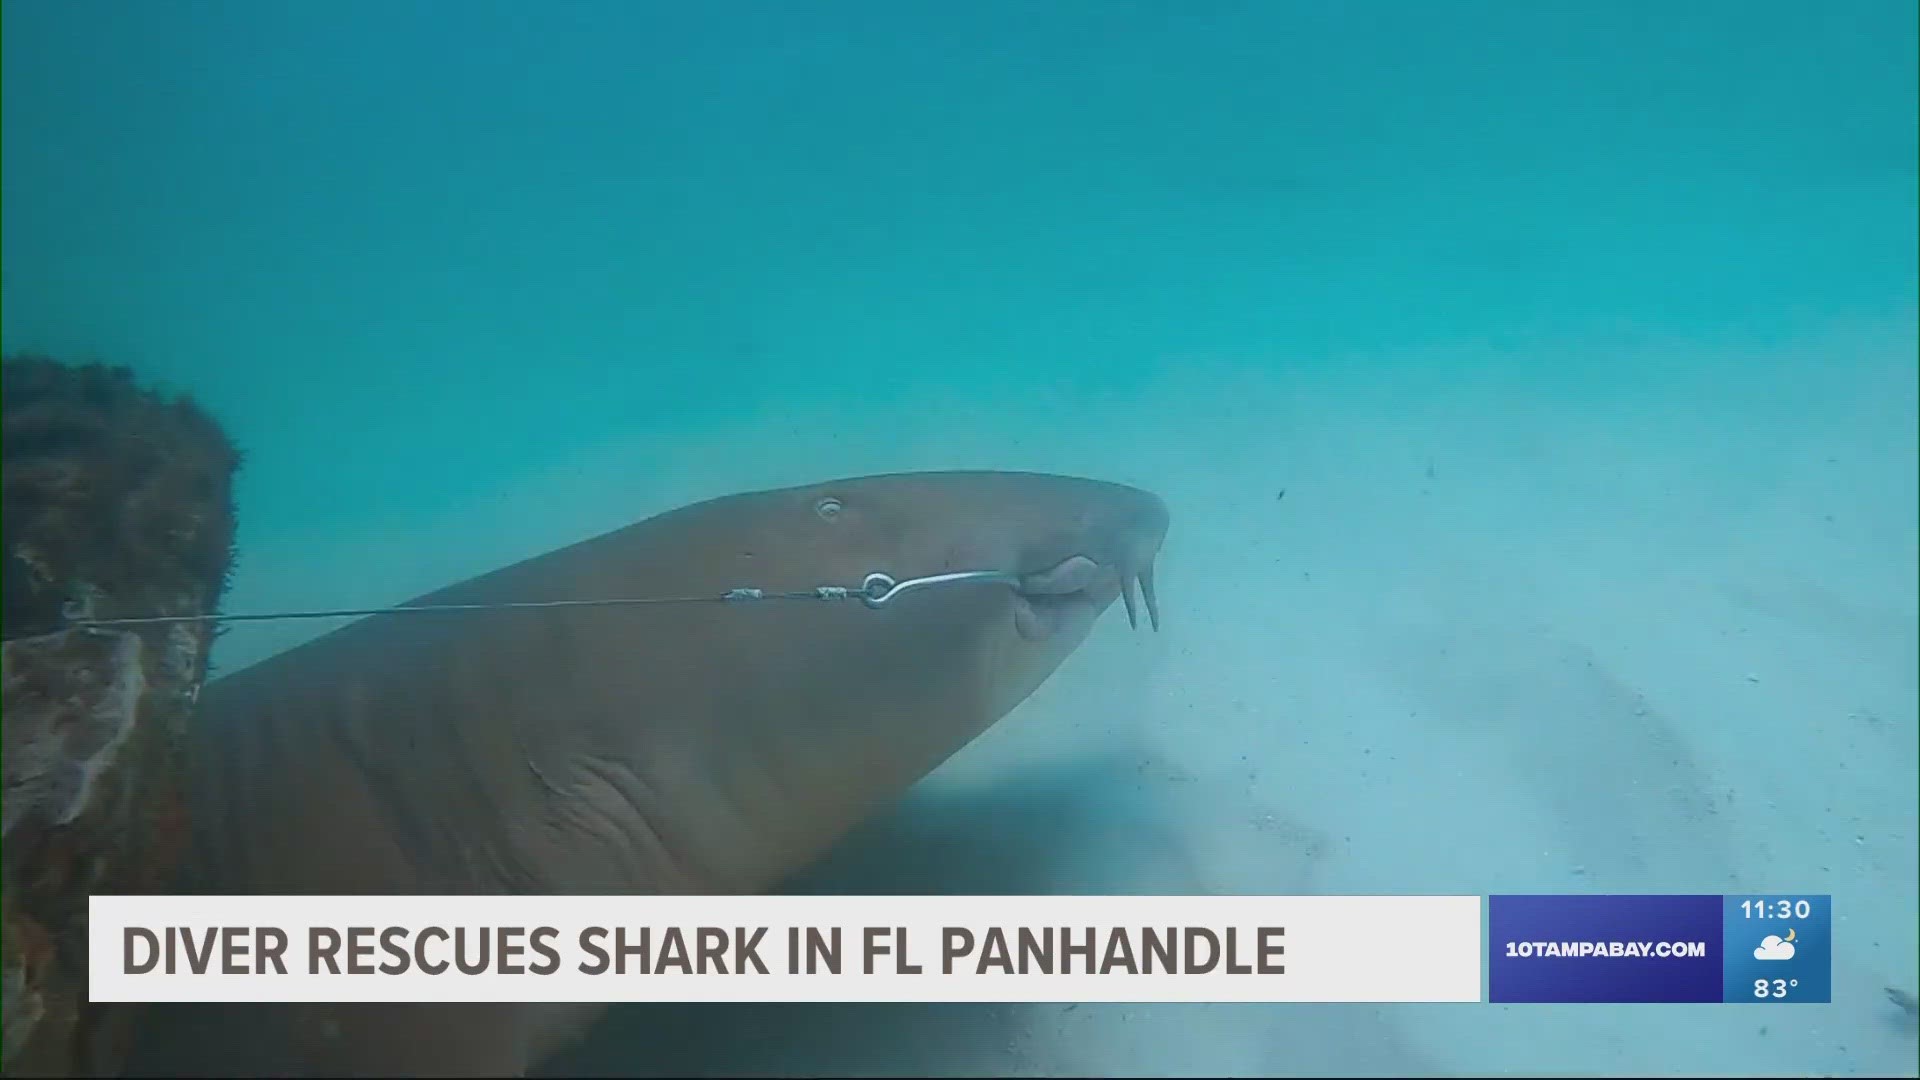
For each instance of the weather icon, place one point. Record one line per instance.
(1775, 947)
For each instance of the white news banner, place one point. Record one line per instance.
(786, 948)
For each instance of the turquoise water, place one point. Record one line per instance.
(1576, 335)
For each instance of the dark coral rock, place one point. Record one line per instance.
(113, 503)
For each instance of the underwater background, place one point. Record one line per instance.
(1533, 387)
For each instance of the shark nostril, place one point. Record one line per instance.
(1070, 576)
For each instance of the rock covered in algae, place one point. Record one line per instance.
(114, 503)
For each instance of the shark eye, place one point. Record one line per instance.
(828, 508)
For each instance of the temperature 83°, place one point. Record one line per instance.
(1773, 988)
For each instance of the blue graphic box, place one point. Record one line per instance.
(1779, 948)
(1742, 948)
(1605, 949)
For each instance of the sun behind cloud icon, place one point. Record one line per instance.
(1775, 947)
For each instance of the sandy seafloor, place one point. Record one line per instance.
(1494, 638)
(1540, 440)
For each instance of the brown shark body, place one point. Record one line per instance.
(684, 748)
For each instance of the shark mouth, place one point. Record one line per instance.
(1077, 588)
